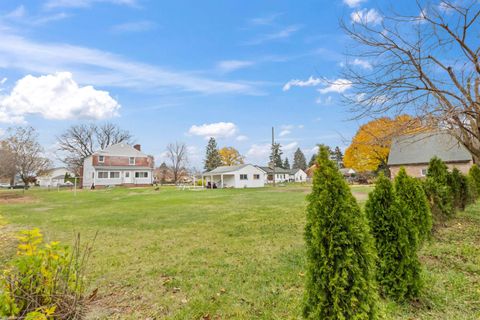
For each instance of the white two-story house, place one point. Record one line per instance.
(119, 164)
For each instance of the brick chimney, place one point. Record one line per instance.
(138, 147)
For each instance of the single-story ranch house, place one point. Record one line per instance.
(298, 175)
(53, 178)
(118, 164)
(414, 151)
(285, 175)
(240, 176)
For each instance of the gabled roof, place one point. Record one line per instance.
(420, 148)
(225, 169)
(277, 170)
(121, 149)
(293, 171)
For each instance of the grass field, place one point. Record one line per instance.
(223, 254)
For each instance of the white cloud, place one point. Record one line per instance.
(259, 151)
(102, 68)
(281, 34)
(2, 132)
(242, 138)
(17, 13)
(51, 4)
(353, 3)
(56, 96)
(311, 82)
(136, 26)
(216, 130)
(232, 65)
(290, 147)
(337, 86)
(366, 16)
(264, 21)
(362, 63)
(326, 102)
(284, 133)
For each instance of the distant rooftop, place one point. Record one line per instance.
(121, 149)
(277, 170)
(420, 148)
(224, 169)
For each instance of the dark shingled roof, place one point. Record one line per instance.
(420, 148)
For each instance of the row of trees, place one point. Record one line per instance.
(353, 256)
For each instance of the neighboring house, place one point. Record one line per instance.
(348, 172)
(53, 178)
(119, 164)
(240, 176)
(413, 152)
(298, 175)
(281, 175)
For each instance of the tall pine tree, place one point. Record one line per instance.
(276, 156)
(212, 157)
(286, 164)
(398, 267)
(313, 160)
(340, 275)
(299, 161)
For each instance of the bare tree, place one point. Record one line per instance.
(178, 158)
(7, 162)
(427, 65)
(80, 141)
(27, 152)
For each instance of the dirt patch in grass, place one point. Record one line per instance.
(14, 198)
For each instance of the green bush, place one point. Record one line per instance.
(398, 267)
(474, 174)
(459, 186)
(340, 277)
(410, 191)
(472, 190)
(43, 281)
(438, 191)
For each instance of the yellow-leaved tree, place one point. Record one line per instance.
(371, 145)
(230, 156)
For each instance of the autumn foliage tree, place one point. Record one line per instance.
(340, 275)
(371, 145)
(230, 156)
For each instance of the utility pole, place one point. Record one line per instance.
(273, 158)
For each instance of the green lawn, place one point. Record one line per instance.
(226, 254)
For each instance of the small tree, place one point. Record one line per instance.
(437, 190)
(460, 190)
(212, 156)
(340, 251)
(299, 161)
(472, 190)
(178, 157)
(398, 267)
(474, 173)
(286, 164)
(410, 191)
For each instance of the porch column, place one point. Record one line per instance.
(221, 179)
(211, 182)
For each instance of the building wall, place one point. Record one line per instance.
(47, 181)
(122, 161)
(415, 170)
(88, 171)
(300, 176)
(250, 183)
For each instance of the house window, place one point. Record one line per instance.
(114, 174)
(127, 174)
(243, 177)
(131, 161)
(141, 174)
(102, 175)
(256, 177)
(101, 159)
(423, 172)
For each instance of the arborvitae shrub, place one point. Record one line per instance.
(340, 278)
(398, 267)
(459, 186)
(474, 174)
(410, 191)
(472, 190)
(438, 191)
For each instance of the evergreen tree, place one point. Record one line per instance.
(410, 191)
(212, 157)
(286, 164)
(337, 156)
(276, 155)
(299, 161)
(458, 184)
(340, 279)
(474, 174)
(437, 190)
(398, 267)
(472, 190)
(313, 160)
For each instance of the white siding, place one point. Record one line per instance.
(232, 179)
(88, 171)
(300, 176)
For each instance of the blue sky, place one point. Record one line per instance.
(181, 70)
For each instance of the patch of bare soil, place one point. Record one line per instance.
(13, 198)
